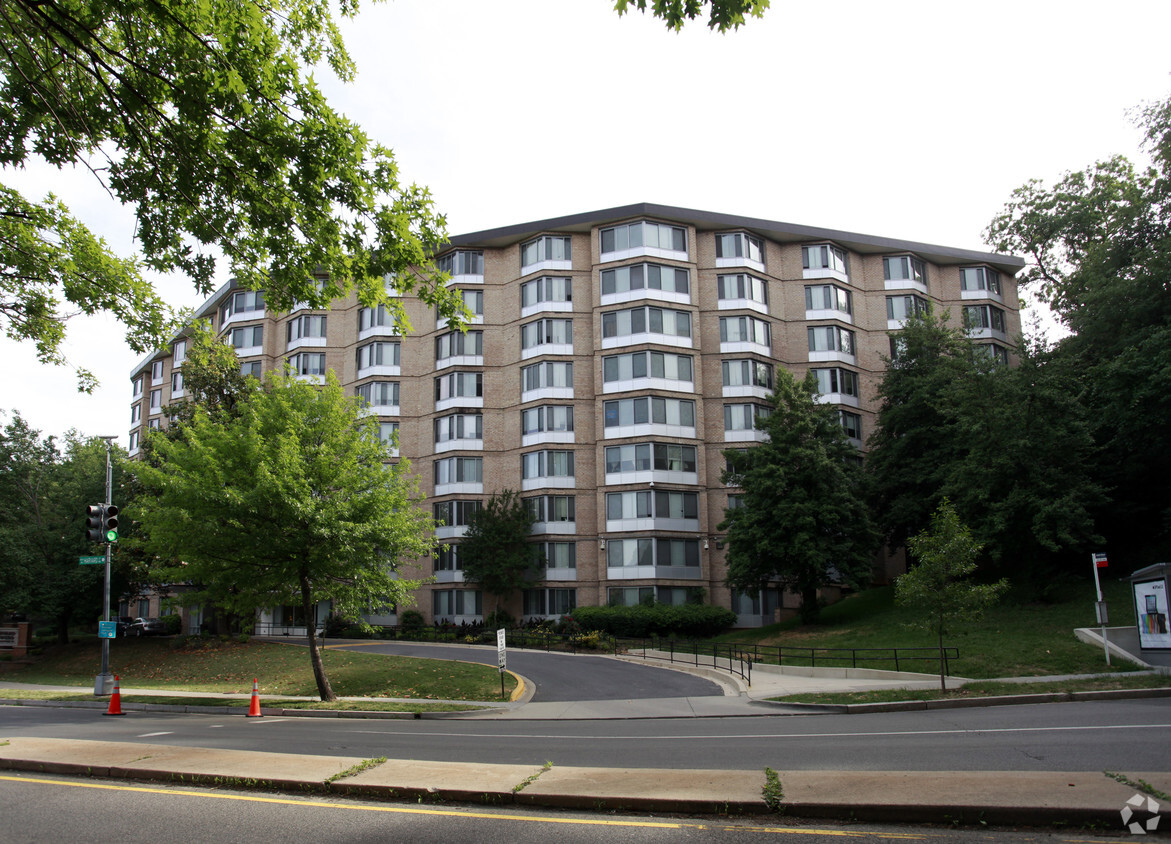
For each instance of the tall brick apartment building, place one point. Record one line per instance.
(612, 358)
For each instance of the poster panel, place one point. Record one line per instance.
(1150, 607)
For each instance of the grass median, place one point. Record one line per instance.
(218, 666)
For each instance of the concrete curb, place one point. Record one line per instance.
(964, 703)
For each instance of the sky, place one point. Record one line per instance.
(911, 120)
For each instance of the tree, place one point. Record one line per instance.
(496, 552)
(803, 519)
(1099, 242)
(44, 491)
(204, 118)
(289, 500)
(938, 588)
(722, 14)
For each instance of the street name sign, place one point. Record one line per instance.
(92, 561)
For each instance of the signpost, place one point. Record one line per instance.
(501, 657)
(1100, 562)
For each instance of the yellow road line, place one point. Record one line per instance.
(406, 810)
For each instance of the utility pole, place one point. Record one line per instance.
(104, 682)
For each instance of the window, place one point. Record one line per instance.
(374, 318)
(831, 338)
(459, 426)
(645, 277)
(178, 352)
(647, 365)
(307, 363)
(745, 329)
(742, 286)
(630, 596)
(458, 343)
(824, 257)
(552, 508)
(662, 504)
(852, 424)
(742, 417)
(549, 601)
(154, 424)
(459, 385)
(459, 470)
(642, 457)
(388, 433)
(980, 278)
(248, 337)
(559, 555)
(547, 374)
(379, 354)
(545, 248)
(643, 235)
(904, 268)
(176, 383)
(473, 301)
(306, 326)
(135, 413)
(136, 389)
(996, 352)
(740, 245)
(547, 464)
(984, 316)
(251, 368)
(134, 440)
(461, 263)
(156, 372)
(747, 373)
(379, 393)
(546, 331)
(827, 297)
(156, 401)
(455, 513)
(447, 558)
(646, 320)
(901, 307)
(450, 602)
(536, 420)
(242, 302)
(652, 552)
(841, 381)
(546, 289)
(649, 409)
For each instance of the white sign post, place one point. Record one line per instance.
(501, 657)
(1099, 561)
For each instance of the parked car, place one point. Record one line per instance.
(147, 627)
(124, 622)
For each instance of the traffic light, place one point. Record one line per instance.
(94, 523)
(110, 522)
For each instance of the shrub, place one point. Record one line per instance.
(694, 621)
(497, 619)
(411, 620)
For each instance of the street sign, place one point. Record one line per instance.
(91, 561)
(1100, 560)
(107, 630)
(501, 654)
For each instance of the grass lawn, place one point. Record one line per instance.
(1017, 638)
(217, 666)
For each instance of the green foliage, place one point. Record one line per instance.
(803, 521)
(411, 620)
(939, 588)
(694, 621)
(498, 619)
(289, 501)
(205, 118)
(1099, 243)
(496, 552)
(722, 14)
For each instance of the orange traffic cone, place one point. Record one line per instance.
(254, 706)
(115, 700)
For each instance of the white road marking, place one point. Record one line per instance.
(152, 735)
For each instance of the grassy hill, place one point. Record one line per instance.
(1018, 638)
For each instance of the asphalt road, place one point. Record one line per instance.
(560, 677)
(1090, 736)
(56, 808)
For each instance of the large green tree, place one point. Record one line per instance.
(804, 521)
(44, 490)
(205, 119)
(290, 500)
(496, 552)
(722, 14)
(1099, 244)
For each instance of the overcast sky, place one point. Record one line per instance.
(912, 120)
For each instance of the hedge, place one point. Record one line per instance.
(696, 621)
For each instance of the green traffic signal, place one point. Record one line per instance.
(110, 522)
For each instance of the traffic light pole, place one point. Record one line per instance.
(104, 682)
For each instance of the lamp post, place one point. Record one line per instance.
(104, 682)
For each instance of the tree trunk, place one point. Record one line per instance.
(323, 687)
(63, 628)
(809, 608)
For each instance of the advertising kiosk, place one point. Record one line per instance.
(1150, 586)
